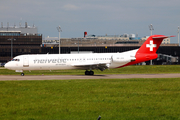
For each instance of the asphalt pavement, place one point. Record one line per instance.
(73, 77)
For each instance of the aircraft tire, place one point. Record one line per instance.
(22, 74)
(86, 72)
(91, 73)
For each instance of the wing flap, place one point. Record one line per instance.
(87, 64)
(100, 66)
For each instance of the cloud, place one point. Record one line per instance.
(70, 7)
(95, 16)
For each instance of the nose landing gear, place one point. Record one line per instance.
(22, 74)
(89, 72)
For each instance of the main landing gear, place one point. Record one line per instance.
(89, 72)
(22, 74)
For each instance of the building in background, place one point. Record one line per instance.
(26, 40)
(25, 29)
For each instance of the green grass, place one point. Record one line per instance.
(117, 99)
(154, 69)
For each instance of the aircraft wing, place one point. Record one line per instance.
(100, 66)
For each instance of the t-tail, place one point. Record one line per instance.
(148, 50)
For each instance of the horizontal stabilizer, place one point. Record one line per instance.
(163, 37)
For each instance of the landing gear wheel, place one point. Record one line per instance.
(22, 74)
(89, 72)
(86, 72)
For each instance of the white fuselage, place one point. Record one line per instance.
(70, 61)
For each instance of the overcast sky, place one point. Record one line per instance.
(99, 17)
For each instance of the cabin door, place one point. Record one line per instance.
(25, 61)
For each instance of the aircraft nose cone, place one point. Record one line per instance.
(6, 65)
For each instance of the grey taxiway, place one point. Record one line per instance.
(74, 77)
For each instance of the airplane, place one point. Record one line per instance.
(87, 62)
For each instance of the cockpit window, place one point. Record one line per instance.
(15, 59)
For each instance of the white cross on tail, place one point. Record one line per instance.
(151, 45)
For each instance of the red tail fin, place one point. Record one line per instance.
(148, 50)
(152, 44)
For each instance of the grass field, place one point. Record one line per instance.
(117, 99)
(154, 69)
(113, 99)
